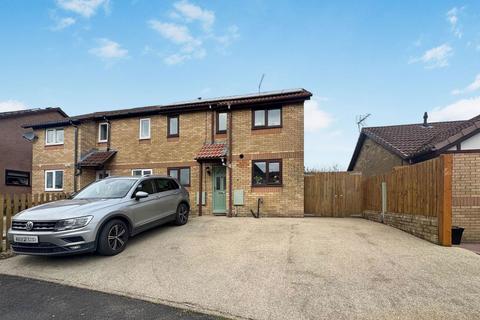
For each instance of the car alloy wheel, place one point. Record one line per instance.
(183, 213)
(117, 237)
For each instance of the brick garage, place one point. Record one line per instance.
(466, 194)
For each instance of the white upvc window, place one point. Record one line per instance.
(53, 180)
(145, 128)
(103, 132)
(141, 172)
(102, 174)
(54, 136)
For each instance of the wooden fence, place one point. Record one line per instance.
(333, 194)
(415, 189)
(12, 204)
(423, 189)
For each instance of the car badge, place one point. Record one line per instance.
(29, 226)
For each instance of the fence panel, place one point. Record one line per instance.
(333, 194)
(12, 204)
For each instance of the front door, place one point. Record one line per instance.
(219, 187)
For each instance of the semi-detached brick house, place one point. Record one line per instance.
(232, 150)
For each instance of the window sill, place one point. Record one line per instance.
(173, 138)
(102, 142)
(257, 189)
(266, 127)
(56, 190)
(267, 185)
(54, 145)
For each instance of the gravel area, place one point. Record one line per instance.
(273, 268)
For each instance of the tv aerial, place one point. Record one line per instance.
(362, 120)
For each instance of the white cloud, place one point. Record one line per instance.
(12, 105)
(316, 118)
(474, 86)
(436, 57)
(459, 110)
(62, 23)
(452, 18)
(85, 8)
(109, 50)
(176, 33)
(191, 12)
(191, 47)
(231, 35)
(191, 39)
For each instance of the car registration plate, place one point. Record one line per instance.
(25, 239)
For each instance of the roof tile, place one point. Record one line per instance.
(212, 151)
(96, 158)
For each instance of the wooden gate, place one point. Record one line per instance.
(333, 194)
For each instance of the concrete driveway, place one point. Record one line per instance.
(280, 269)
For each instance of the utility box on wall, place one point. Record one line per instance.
(238, 197)
(204, 196)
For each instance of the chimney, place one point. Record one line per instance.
(425, 118)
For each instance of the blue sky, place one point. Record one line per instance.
(394, 60)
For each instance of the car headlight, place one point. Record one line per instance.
(74, 223)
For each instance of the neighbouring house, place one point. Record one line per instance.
(232, 152)
(380, 149)
(16, 151)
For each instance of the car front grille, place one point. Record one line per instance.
(41, 247)
(37, 225)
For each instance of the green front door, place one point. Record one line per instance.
(219, 187)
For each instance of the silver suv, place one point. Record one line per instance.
(101, 217)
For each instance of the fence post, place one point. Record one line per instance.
(8, 218)
(2, 213)
(384, 199)
(445, 214)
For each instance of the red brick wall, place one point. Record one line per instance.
(15, 151)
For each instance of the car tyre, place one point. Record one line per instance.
(113, 238)
(181, 217)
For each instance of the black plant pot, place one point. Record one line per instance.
(457, 233)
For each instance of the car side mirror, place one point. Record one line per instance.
(140, 195)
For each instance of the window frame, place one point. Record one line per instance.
(140, 129)
(142, 170)
(218, 131)
(7, 171)
(55, 136)
(178, 175)
(177, 116)
(53, 180)
(265, 111)
(267, 171)
(100, 132)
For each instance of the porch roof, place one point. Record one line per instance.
(212, 151)
(96, 159)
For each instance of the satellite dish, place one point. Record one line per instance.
(29, 136)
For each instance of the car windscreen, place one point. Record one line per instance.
(106, 189)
